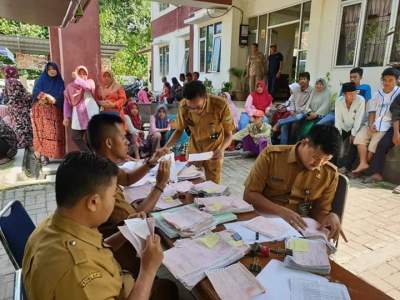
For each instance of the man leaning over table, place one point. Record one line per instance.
(210, 122)
(295, 181)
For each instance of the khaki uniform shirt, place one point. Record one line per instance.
(256, 65)
(66, 260)
(122, 210)
(215, 118)
(281, 178)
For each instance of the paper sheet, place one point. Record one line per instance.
(148, 178)
(136, 242)
(248, 236)
(275, 278)
(200, 156)
(275, 228)
(304, 289)
(312, 229)
(210, 239)
(235, 283)
(135, 193)
(166, 202)
(220, 204)
(190, 172)
(315, 256)
(131, 165)
(210, 187)
(139, 227)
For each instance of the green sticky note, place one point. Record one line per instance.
(299, 245)
(216, 207)
(210, 240)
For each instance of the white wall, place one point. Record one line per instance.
(155, 10)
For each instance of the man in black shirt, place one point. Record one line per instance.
(275, 60)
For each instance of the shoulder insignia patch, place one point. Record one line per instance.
(92, 276)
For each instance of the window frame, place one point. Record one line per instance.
(208, 67)
(392, 27)
(164, 64)
(163, 6)
(203, 39)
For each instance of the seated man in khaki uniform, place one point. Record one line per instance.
(294, 181)
(65, 257)
(210, 122)
(106, 135)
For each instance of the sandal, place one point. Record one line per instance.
(396, 190)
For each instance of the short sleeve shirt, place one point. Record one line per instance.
(207, 129)
(273, 62)
(279, 176)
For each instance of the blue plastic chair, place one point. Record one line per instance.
(15, 229)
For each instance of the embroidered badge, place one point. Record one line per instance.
(92, 276)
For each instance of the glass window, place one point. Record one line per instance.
(285, 15)
(218, 28)
(210, 40)
(163, 6)
(202, 56)
(395, 54)
(348, 35)
(210, 47)
(216, 56)
(164, 60)
(203, 32)
(373, 43)
(187, 54)
(305, 25)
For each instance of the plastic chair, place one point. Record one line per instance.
(15, 229)
(339, 202)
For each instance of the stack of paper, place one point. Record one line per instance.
(178, 187)
(210, 188)
(171, 232)
(166, 202)
(189, 221)
(305, 289)
(274, 228)
(136, 193)
(136, 232)
(190, 259)
(311, 257)
(235, 282)
(275, 278)
(188, 173)
(312, 229)
(221, 204)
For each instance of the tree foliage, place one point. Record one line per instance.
(9, 27)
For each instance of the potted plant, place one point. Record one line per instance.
(239, 74)
(208, 84)
(226, 87)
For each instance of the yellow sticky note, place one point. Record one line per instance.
(216, 206)
(168, 199)
(210, 240)
(299, 245)
(209, 191)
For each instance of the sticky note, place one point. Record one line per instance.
(210, 240)
(168, 199)
(216, 206)
(234, 243)
(299, 245)
(209, 191)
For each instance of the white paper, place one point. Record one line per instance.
(136, 242)
(248, 236)
(223, 204)
(166, 202)
(275, 278)
(275, 228)
(312, 229)
(190, 172)
(304, 289)
(235, 283)
(139, 227)
(200, 156)
(210, 187)
(131, 165)
(135, 193)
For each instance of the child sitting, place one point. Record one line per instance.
(256, 135)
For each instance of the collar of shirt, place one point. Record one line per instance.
(81, 232)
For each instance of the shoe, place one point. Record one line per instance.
(396, 190)
(343, 170)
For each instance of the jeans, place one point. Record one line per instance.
(245, 120)
(284, 125)
(328, 119)
(271, 78)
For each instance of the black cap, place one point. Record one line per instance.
(348, 87)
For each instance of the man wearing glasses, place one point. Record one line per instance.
(210, 123)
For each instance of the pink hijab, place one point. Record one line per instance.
(75, 91)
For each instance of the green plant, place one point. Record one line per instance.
(226, 87)
(240, 75)
(208, 84)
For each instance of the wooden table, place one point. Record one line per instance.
(358, 288)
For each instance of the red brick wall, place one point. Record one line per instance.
(171, 21)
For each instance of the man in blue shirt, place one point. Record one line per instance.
(364, 90)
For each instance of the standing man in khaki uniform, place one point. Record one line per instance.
(255, 67)
(210, 123)
(295, 181)
(65, 257)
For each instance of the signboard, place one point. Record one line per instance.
(30, 61)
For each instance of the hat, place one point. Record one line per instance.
(258, 113)
(348, 87)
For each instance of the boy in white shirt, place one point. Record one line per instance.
(379, 119)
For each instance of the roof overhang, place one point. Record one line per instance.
(43, 12)
(204, 15)
(200, 4)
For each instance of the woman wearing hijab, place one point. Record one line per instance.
(176, 90)
(159, 126)
(135, 127)
(143, 96)
(79, 105)
(47, 118)
(317, 107)
(232, 108)
(19, 106)
(8, 143)
(260, 99)
(111, 95)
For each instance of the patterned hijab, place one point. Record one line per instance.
(161, 123)
(104, 90)
(10, 72)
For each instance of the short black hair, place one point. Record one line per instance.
(357, 70)
(255, 45)
(273, 46)
(194, 89)
(348, 87)
(305, 75)
(189, 74)
(82, 174)
(391, 72)
(196, 73)
(325, 137)
(101, 126)
(174, 80)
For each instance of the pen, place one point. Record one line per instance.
(150, 225)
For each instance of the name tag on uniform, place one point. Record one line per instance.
(277, 179)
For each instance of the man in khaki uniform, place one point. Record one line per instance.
(210, 123)
(106, 135)
(255, 67)
(294, 181)
(65, 257)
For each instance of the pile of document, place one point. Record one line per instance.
(190, 259)
(283, 283)
(189, 172)
(274, 228)
(308, 255)
(136, 232)
(221, 204)
(235, 282)
(189, 221)
(135, 193)
(210, 188)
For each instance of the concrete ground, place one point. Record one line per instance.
(371, 223)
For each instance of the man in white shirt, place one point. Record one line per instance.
(379, 119)
(349, 113)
